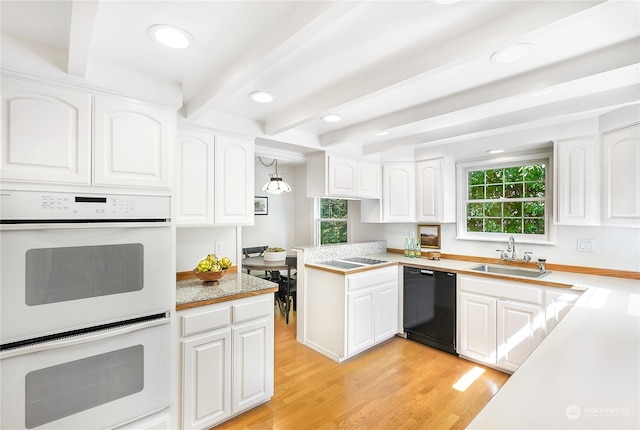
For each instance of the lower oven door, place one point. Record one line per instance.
(99, 380)
(61, 278)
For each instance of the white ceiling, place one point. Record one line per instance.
(419, 70)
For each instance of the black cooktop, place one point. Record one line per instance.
(341, 264)
(363, 260)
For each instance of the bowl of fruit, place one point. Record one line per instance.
(211, 269)
(275, 254)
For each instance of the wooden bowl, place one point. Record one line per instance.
(209, 278)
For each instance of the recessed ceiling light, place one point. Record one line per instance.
(170, 36)
(446, 1)
(262, 97)
(495, 151)
(332, 117)
(512, 53)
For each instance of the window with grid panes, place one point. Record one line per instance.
(333, 221)
(507, 199)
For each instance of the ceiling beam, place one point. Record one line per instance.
(313, 17)
(548, 112)
(82, 23)
(479, 34)
(590, 64)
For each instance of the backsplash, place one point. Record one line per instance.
(343, 250)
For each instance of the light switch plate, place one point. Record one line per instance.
(586, 245)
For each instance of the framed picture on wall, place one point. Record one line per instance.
(261, 205)
(429, 236)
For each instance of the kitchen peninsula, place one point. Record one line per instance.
(583, 374)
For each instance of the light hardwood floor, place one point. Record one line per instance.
(399, 384)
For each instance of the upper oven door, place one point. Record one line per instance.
(56, 279)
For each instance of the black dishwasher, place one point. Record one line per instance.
(430, 308)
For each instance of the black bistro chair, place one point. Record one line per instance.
(255, 251)
(288, 288)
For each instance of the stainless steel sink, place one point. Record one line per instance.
(507, 270)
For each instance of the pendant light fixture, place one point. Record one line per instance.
(276, 184)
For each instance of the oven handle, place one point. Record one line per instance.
(83, 338)
(82, 225)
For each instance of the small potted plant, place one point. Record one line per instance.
(275, 254)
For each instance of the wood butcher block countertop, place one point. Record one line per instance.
(191, 293)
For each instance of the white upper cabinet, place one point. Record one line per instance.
(330, 175)
(621, 185)
(49, 137)
(341, 177)
(436, 198)
(234, 180)
(398, 195)
(131, 142)
(46, 133)
(577, 181)
(194, 177)
(214, 178)
(368, 180)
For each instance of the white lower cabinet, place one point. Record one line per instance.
(227, 359)
(499, 322)
(347, 314)
(519, 330)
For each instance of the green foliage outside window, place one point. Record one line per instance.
(334, 215)
(507, 200)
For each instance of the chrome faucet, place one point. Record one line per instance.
(511, 254)
(511, 247)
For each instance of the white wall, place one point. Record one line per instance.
(615, 247)
(277, 227)
(193, 244)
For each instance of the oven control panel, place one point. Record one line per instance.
(56, 206)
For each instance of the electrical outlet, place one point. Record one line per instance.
(219, 249)
(586, 245)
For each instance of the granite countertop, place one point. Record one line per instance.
(191, 293)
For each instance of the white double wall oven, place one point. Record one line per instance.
(85, 309)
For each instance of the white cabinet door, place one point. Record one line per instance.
(477, 327)
(194, 177)
(385, 300)
(369, 180)
(342, 177)
(520, 329)
(132, 142)
(206, 380)
(577, 184)
(436, 197)
(234, 180)
(398, 192)
(252, 364)
(621, 156)
(360, 322)
(46, 133)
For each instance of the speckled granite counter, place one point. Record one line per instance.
(190, 293)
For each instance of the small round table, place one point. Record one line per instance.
(274, 268)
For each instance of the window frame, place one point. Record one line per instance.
(462, 171)
(317, 220)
